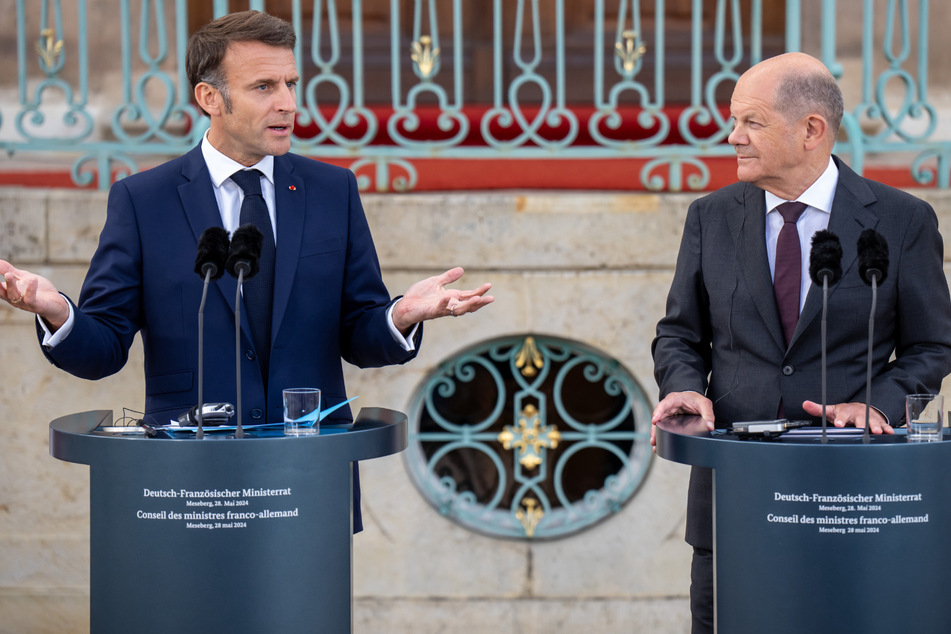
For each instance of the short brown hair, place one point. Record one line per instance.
(207, 46)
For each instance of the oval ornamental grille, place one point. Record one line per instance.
(529, 437)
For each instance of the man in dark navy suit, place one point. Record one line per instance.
(328, 301)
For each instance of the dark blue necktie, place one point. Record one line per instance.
(259, 290)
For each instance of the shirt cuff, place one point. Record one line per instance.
(405, 342)
(52, 339)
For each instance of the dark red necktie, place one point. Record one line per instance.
(787, 273)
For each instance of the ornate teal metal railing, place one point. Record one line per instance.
(433, 111)
(529, 437)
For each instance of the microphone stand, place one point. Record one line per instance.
(868, 372)
(239, 431)
(201, 351)
(825, 310)
(242, 262)
(825, 265)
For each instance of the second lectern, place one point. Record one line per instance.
(841, 536)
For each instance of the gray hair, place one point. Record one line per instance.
(803, 93)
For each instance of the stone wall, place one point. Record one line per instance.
(593, 267)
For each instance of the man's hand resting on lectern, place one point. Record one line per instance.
(675, 403)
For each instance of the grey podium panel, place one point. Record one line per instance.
(222, 534)
(837, 537)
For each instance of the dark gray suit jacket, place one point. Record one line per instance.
(722, 335)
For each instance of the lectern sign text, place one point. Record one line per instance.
(211, 509)
(847, 513)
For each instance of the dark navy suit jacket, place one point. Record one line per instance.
(329, 297)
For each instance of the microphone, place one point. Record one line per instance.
(825, 269)
(246, 243)
(873, 257)
(212, 253)
(873, 268)
(210, 265)
(242, 263)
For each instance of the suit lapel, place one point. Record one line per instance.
(290, 197)
(850, 216)
(197, 196)
(748, 224)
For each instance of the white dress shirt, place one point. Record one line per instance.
(229, 197)
(227, 192)
(818, 199)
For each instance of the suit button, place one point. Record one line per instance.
(249, 354)
(256, 414)
(788, 370)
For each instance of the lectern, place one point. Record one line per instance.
(222, 534)
(835, 537)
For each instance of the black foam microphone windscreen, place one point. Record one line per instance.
(212, 252)
(873, 256)
(825, 259)
(246, 242)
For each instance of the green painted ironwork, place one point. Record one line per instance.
(529, 437)
(530, 116)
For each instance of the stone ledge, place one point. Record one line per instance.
(505, 230)
(522, 616)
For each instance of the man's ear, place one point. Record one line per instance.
(817, 131)
(209, 99)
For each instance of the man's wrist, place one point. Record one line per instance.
(55, 320)
(400, 322)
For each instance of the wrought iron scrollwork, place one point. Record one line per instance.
(529, 437)
(626, 114)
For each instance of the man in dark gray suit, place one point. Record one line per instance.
(721, 351)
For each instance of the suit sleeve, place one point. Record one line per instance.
(107, 315)
(921, 314)
(681, 349)
(365, 337)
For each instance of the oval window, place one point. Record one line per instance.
(529, 437)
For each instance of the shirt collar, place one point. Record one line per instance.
(819, 195)
(220, 167)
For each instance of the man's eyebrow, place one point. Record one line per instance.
(271, 81)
